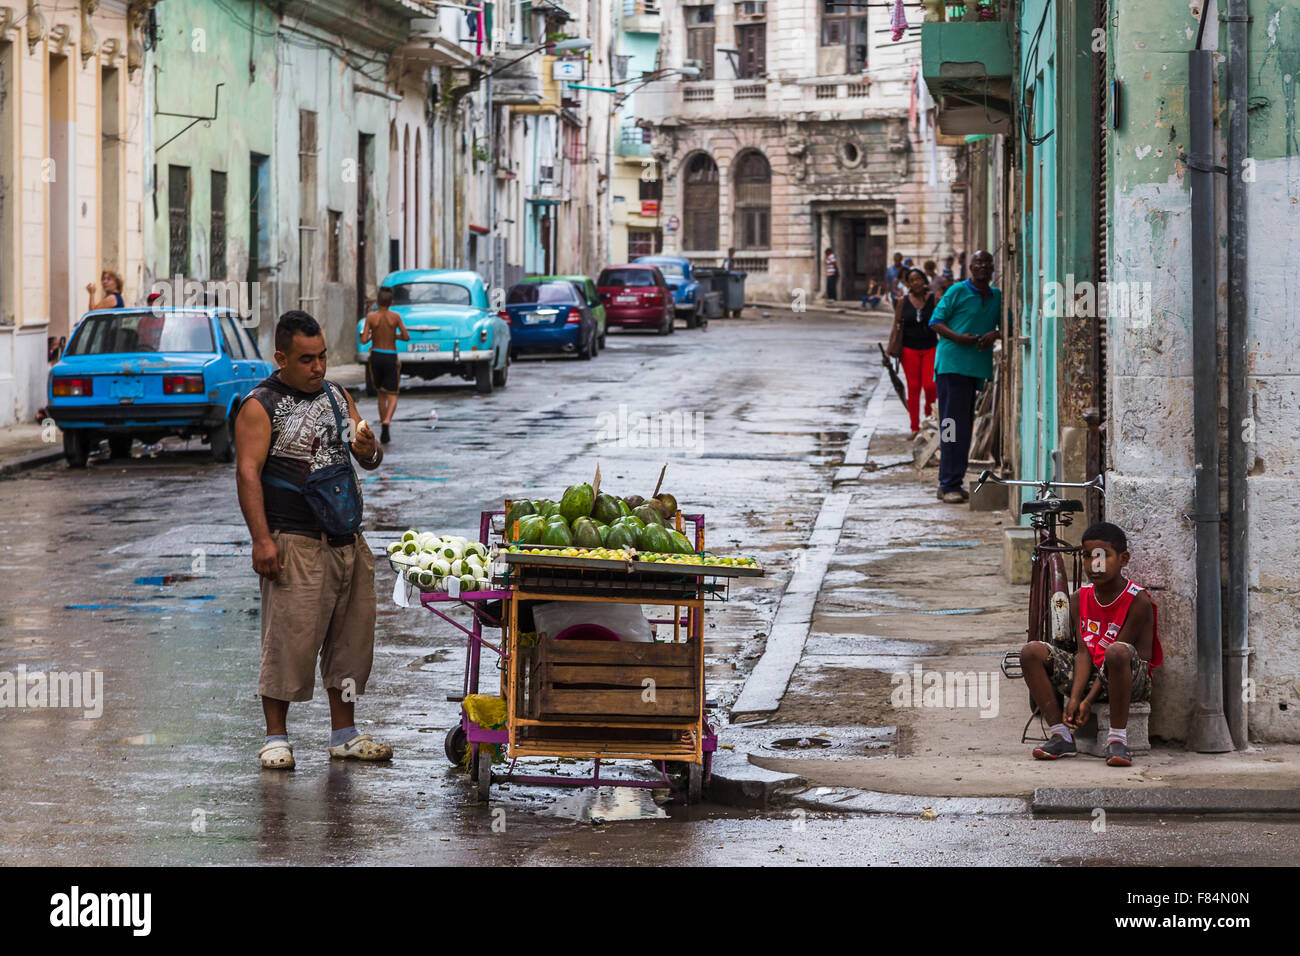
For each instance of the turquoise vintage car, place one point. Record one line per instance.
(452, 329)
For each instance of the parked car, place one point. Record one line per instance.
(678, 273)
(153, 373)
(636, 296)
(587, 289)
(551, 315)
(453, 331)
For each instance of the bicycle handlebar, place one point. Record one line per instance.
(1099, 483)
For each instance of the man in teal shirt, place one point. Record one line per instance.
(968, 319)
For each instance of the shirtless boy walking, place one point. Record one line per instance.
(384, 327)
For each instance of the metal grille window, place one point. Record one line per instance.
(178, 219)
(844, 22)
(332, 261)
(700, 203)
(753, 201)
(650, 189)
(644, 242)
(218, 216)
(751, 38)
(700, 38)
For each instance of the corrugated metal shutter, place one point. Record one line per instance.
(1101, 224)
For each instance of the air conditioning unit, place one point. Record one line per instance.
(751, 8)
(425, 28)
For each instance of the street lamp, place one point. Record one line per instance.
(642, 80)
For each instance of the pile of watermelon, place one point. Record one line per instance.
(584, 519)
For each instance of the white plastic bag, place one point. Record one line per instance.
(625, 620)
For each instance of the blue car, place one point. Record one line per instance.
(685, 289)
(552, 315)
(453, 331)
(151, 373)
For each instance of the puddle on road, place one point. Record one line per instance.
(609, 805)
(164, 580)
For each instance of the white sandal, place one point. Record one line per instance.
(277, 755)
(363, 747)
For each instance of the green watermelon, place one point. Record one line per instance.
(518, 509)
(606, 508)
(585, 534)
(649, 514)
(557, 534)
(681, 544)
(620, 536)
(603, 531)
(655, 538)
(530, 529)
(577, 501)
(624, 508)
(545, 507)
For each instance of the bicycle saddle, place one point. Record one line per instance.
(1057, 505)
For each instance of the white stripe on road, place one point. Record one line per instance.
(788, 634)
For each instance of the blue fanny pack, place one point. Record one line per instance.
(332, 492)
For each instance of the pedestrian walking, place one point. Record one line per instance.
(729, 263)
(384, 327)
(916, 343)
(832, 275)
(111, 281)
(968, 319)
(947, 269)
(303, 508)
(893, 273)
(932, 277)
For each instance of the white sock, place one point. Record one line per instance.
(1120, 734)
(1060, 730)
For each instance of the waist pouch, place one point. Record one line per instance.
(331, 493)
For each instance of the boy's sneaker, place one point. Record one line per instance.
(1117, 755)
(953, 498)
(1055, 749)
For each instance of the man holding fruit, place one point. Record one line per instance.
(302, 506)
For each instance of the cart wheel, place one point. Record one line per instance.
(483, 779)
(694, 782)
(455, 745)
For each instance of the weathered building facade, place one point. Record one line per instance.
(804, 129)
(72, 158)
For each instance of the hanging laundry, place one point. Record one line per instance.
(898, 21)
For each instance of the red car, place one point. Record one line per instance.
(636, 296)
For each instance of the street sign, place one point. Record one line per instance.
(567, 70)
(672, 224)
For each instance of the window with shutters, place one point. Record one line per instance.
(332, 260)
(218, 218)
(753, 201)
(844, 23)
(700, 39)
(650, 189)
(751, 39)
(178, 217)
(644, 242)
(700, 204)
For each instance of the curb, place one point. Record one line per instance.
(846, 800)
(34, 459)
(737, 782)
(1071, 800)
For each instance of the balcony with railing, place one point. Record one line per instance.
(967, 62)
(633, 141)
(641, 16)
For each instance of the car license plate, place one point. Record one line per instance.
(424, 346)
(533, 318)
(127, 388)
(625, 299)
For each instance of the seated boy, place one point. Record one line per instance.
(1119, 647)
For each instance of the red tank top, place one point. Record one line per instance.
(1099, 624)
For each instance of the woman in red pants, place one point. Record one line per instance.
(919, 341)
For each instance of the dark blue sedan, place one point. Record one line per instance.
(551, 315)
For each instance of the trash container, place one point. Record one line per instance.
(733, 299)
(711, 282)
(711, 303)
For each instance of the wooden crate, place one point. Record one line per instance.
(596, 680)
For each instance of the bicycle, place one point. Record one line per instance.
(1049, 587)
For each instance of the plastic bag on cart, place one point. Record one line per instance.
(625, 620)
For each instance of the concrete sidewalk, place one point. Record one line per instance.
(893, 587)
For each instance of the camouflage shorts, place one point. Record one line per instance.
(1061, 673)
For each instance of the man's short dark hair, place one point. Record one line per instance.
(384, 296)
(1112, 534)
(294, 322)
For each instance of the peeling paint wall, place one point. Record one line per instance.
(1150, 363)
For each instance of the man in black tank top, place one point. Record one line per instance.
(318, 592)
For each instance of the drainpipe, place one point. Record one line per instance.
(1208, 732)
(1237, 652)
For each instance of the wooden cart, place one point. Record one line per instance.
(596, 700)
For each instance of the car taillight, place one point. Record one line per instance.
(73, 387)
(574, 317)
(182, 384)
(505, 317)
(653, 298)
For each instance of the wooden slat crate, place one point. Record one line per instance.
(606, 679)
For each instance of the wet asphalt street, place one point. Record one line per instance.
(140, 569)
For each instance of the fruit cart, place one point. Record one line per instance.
(588, 699)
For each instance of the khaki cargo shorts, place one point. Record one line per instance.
(322, 605)
(1061, 673)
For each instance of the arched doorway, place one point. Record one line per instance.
(700, 203)
(753, 219)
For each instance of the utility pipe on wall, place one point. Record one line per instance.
(1208, 732)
